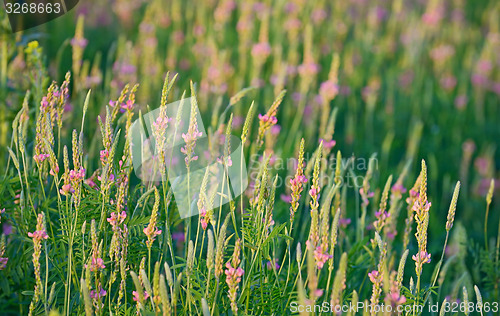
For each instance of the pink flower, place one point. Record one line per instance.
(190, 139)
(233, 276)
(178, 236)
(98, 295)
(448, 82)
(344, 221)
(104, 154)
(328, 144)
(396, 298)
(90, 182)
(479, 80)
(313, 192)
(229, 162)
(161, 123)
(38, 235)
(54, 171)
(418, 208)
(432, 18)
(398, 189)
(268, 119)
(318, 15)
(374, 276)
(365, 196)
(148, 231)
(286, 198)
(203, 219)
(44, 103)
(441, 53)
(275, 130)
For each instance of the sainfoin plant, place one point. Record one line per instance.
(368, 141)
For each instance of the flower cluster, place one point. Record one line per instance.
(136, 296)
(266, 121)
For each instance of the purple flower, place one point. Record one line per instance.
(374, 276)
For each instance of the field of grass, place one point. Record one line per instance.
(367, 132)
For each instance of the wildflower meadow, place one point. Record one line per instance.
(273, 157)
